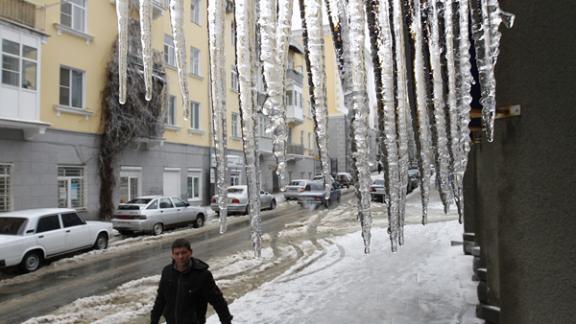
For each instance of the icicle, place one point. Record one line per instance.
(216, 19)
(177, 21)
(146, 38)
(315, 51)
(464, 83)
(388, 124)
(244, 14)
(453, 109)
(360, 124)
(486, 18)
(423, 127)
(122, 15)
(442, 156)
(275, 35)
(401, 114)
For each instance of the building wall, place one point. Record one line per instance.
(523, 191)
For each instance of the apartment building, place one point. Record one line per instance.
(55, 56)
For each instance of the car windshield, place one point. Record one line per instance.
(235, 190)
(11, 225)
(378, 182)
(140, 201)
(297, 183)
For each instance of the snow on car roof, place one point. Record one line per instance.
(36, 212)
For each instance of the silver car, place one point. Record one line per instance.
(294, 188)
(156, 213)
(238, 200)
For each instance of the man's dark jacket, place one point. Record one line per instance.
(184, 296)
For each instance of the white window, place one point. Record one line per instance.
(262, 123)
(130, 183)
(195, 11)
(289, 135)
(73, 14)
(235, 123)
(195, 61)
(71, 87)
(234, 179)
(289, 101)
(71, 187)
(194, 185)
(195, 115)
(234, 78)
(170, 117)
(19, 65)
(233, 33)
(169, 51)
(5, 201)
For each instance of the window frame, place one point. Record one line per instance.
(68, 179)
(235, 122)
(235, 81)
(196, 12)
(7, 197)
(49, 230)
(195, 115)
(192, 193)
(195, 63)
(22, 61)
(169, 51)
(71, 89)
(170, 116)
(73, 17)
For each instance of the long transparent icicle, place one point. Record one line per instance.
(177, 21)
(453, 109)
(216, 20)
(424, 139)
(360, 124)
(389, 144)
(244, 14)
(146, 39)
(313, 12)
(401, 113)
(465, 81)
(123, 18)
(442, 156)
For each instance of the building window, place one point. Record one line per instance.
(195, 115)
(129, 183)
(235, 122)
(193, 185)
(289, 135)
(195, 11)
(71, 187)
(170, 117)
(234, 77)
(5, 201)
(19, 65)
(195, 61)
(234, 179)
(289, 101)
(169, 51)
(71, 87)
(73, 14)
(233, 33)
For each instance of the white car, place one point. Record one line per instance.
(27, 237)
(155, 213)
(238, 200)
(294, 188)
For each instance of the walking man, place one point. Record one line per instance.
(186, 287)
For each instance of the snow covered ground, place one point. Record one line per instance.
(315, 271)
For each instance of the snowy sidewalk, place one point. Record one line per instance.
(427, 281)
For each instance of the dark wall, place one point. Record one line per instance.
(525, 194)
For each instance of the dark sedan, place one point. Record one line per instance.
(314, 195)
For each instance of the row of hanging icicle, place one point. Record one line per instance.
(420, 55)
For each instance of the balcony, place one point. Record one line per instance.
(294, 114)
(295, 149)
(296, 76)
(19, 11)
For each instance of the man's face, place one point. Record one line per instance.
(181, 256)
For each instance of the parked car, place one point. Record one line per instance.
(28, 237)
(320, 177)
(413, 179)
(156, 213)
(344, 179)
(238, 200)
(294, 188)
(377, 190)
(314, 195)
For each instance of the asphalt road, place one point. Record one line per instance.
(21, 301)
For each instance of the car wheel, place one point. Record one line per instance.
(31, 261)
(157, 229)
(199, 222)
(101, 242)
(272, 204)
